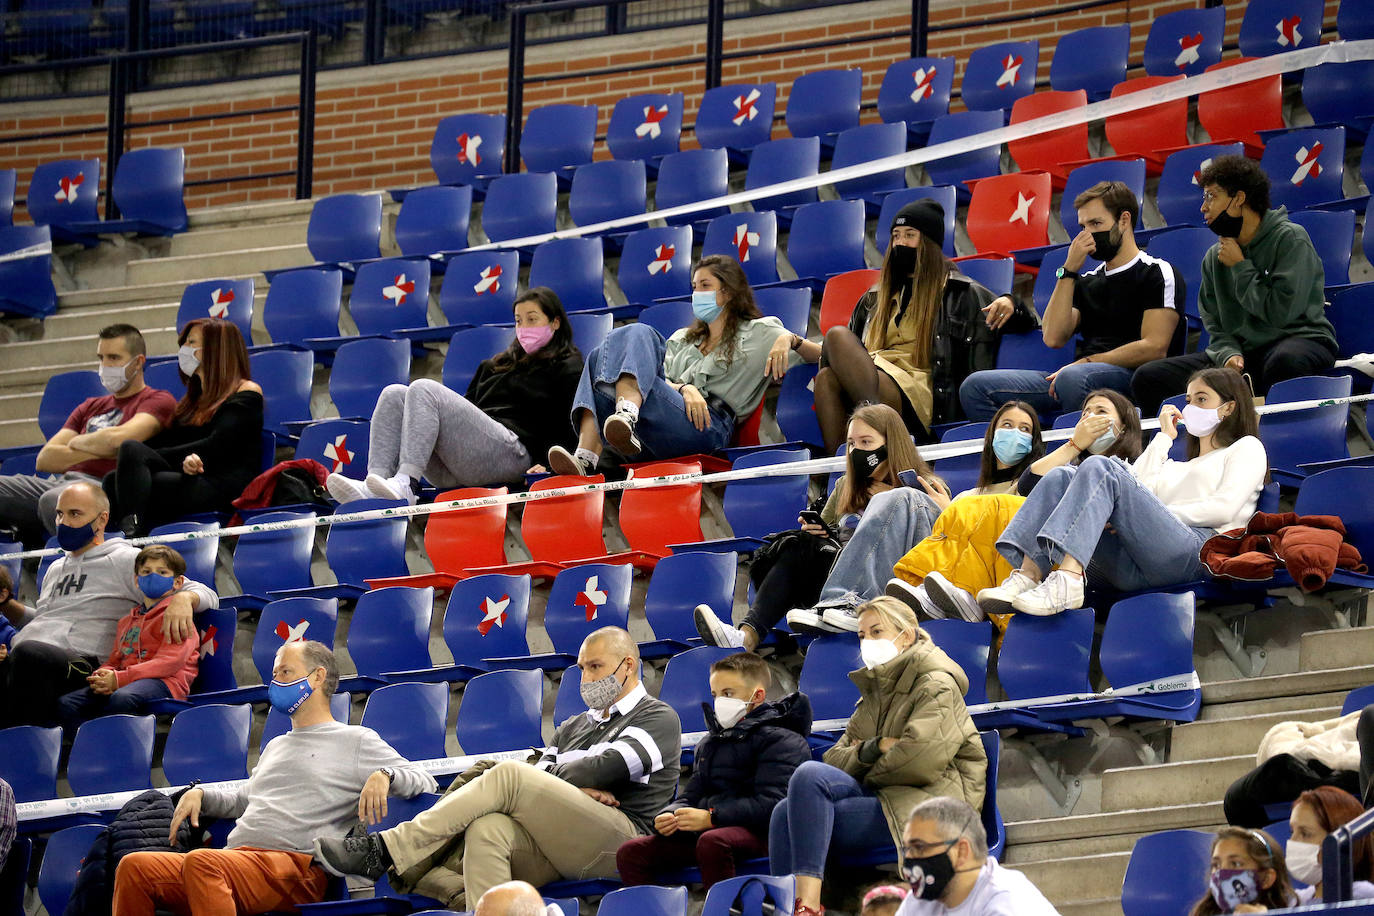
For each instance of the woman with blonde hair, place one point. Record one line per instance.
(910, 738)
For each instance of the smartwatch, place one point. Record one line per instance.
(1064, 272)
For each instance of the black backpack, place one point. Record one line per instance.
(294, 486)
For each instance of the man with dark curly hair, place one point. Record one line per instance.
(1262, 298)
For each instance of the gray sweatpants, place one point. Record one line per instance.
(425, 429)
(25, 493)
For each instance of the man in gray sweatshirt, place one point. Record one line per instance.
(321, 777)
(85, 592)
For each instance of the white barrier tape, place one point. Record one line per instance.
(1189, 681)
(788, 469)
(1260, 68)
(32, 251)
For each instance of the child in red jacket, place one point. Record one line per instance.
(143, 665)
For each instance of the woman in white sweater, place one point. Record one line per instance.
(1141, 525)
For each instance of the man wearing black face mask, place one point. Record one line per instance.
(1262, 298)
(945, 860)
(1126, 309)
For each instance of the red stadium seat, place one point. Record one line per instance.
(1050, 150)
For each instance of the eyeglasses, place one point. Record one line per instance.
(1208, 197)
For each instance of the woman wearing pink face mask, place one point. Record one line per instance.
(516, 406)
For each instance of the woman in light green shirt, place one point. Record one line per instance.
(655, 399)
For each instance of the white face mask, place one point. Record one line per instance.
(729, 710)
(1201, 421)
(1302, 861)
(875, 652)
(187, 360)
(114, 378)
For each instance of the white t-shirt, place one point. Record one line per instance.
(998, 892)
(1359, 890)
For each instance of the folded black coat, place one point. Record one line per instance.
(141, 825)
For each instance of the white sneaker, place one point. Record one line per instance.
(809, 620)
(952, 600)
(998, 599)
(345, 489)
(844, 618)
(716, 632)
(914, 597)
(397, 487)
(565, 463)
(1059, 592)
(619, 430)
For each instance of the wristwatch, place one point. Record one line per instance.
(797, 341)
(1063, 272)
(389, 773)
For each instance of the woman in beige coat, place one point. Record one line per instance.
(910, 738)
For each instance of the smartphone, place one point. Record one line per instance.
(812, 517)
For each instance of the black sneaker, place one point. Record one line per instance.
(357, 853)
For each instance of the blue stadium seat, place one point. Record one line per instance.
(680, 582)
(520, 205)
(1130, 172)
(968, 645)
(501, 711)
(1351, 313)
(736, 118)
(574, 269)
(646, 127)
(61, 861)
(994, 273)
(147, 188)
(822, 103)
(412, 718)
(112, 754)
(582, 599)
(392, 295)
(568, 702)
(992, 814)
(686, 684)
(1092, 59)
(1305, 436)
(8, 182)
(979, 163)
(1337, 93)
(1042, 657)
(1028, 351)
(756, 507)
(645, 900)
(1328, 493)
(467, 349)
(434, 219)
(64, 192)
(339, 445)
(279, 723)
(389, 631)
(209, 743)
(1333, 235)
(1185, 42)
(496, 608)
(607, 190)
(656, 263)
(26, 286)
(267, 561)
(1305, 167)
(229, 299)
(303, 306)
(345, 228)
(1166, 872)
(1179, 197)
(362, 368)
(892, 203)
(589, 329)
(480, 288)
(862, 144)
(558, 137)
(827, 238)
(784, 160)
(960, 472)
(282, 621)
(29, 764)
(690, 176)
(789, 304)
(916, 92)
(751, 239)
(1184, 249)
(1276, 26)
(62, 394)
(468, 149)
(200, 554)
(999, 74)
(750, 895)
(217, 629)
(1353, 21)
(796, 407)
(1045, 280)
(285, 377)
(359, 551)
(825, 679)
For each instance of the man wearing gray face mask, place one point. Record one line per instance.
(606, 774)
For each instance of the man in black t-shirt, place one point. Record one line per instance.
(1126, 311)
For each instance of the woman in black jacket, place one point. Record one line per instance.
(213, 448)
(516, 406)
(914, 338)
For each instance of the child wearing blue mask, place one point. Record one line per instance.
(143, 665)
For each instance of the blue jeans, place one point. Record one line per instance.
(663, 429)
(985, 391)
(84, 704)
(832, 811)
(1067, 515)
(893, 523)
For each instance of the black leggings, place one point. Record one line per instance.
(34, 677)
(795, 580)
(145, 484)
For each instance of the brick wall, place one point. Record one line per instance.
(373, 126)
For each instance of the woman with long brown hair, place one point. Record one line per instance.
(1248, 875)
(213, 448)
(654, 399)
(916, 336)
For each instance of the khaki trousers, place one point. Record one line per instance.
(517, 822)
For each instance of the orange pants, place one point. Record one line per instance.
(216, 882)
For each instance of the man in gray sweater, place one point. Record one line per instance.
(321, 777)
(607, 773)
(71, 630)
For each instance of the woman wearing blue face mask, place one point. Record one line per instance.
(654, 399)
(1248, 875)
(1140, 525)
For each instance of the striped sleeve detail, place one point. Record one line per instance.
(1166, 273)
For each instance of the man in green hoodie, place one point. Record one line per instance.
(1262, 298)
